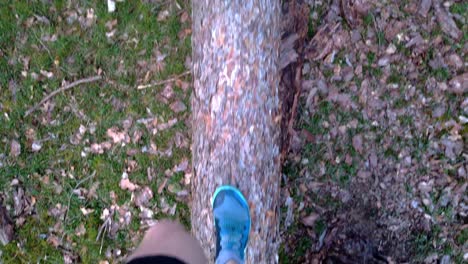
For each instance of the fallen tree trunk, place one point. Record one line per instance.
(235, 116)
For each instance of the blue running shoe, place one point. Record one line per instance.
(232, 224)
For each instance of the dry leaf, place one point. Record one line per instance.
(131, 165)
(183, 85)
(178, 107)
(167, 125)
(288, 54)
(343, 99)
(454, 61)
(76, 138)
(163, 15)
(447, 24)
(110, 6)
(118, 136)
(146, 214)
(56, 211)
(80, 230)
(168, 92)
(187, 178)
(162, 186)
(357, 143)
(180, 140)
(100, 148)
(310, 219)
(289, 213)
(459, 84)
(92, 191)
(68, 259)
(143, 196)
(96, 148)
(321, 44)
(111, 24)
(88, 20)
(127, 123)
(184, 33)
(126, 184)
(6, 226)
(30, 135)
(184, 17)
(105, 214)
(350, 12)
(85, 211)
(47, 74)
(157, 61)
(424, 7)
(137, 134)
(53, 240)
(132, 152)
(36, 146)
(182, 166)
(172, 210)
(15, 148)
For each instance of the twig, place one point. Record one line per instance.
(71, 194)
(76, 187)
(102, 239)
(44, 46)
(103, 227)
(139, 87)
(62, 89)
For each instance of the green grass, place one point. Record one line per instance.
(368, 19)
(313, 24)
(395, 77)
(369, 68)
(381, 38)
(425, 244)
(78, 53)
(370, 57)
(460, 8)
(303, 246)
(342, 172)
(462, 237)
(441, 74)
(422, 245)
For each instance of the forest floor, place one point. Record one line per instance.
(378, 164)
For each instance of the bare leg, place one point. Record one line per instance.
(170, 239)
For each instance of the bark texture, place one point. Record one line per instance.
(236, 118)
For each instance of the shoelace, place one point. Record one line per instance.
(230, 240)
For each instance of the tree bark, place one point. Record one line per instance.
(294, 28)
(235, 116)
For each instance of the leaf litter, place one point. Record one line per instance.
(381, 149)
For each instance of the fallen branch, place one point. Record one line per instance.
(173, 79)
(62, 89)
